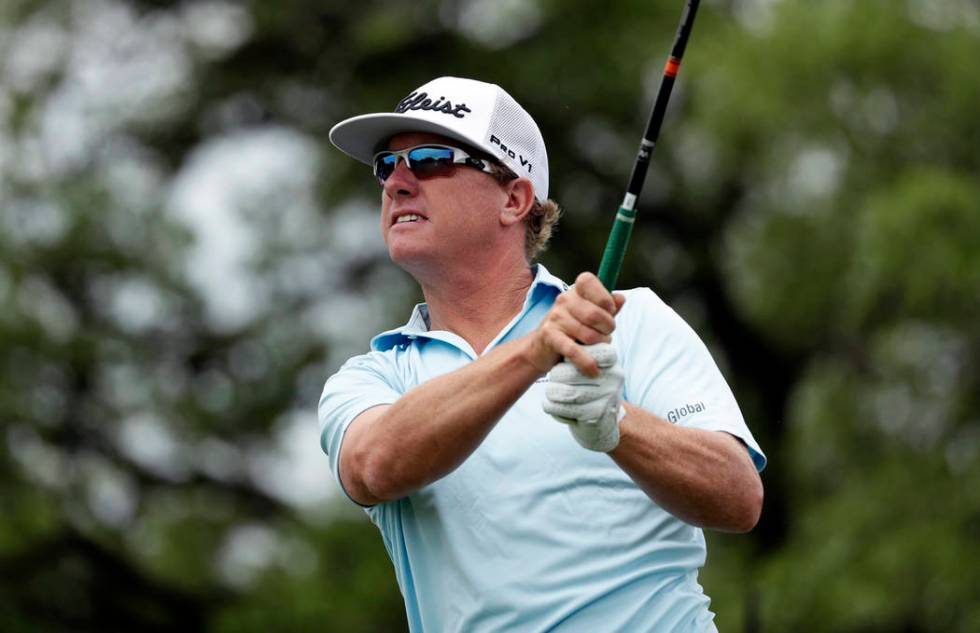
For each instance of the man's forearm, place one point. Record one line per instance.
(705, 478)
(434, 427)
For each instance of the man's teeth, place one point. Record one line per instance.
(408, 217)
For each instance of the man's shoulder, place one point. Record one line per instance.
(646, 318)
(376, 361)
(642, 303)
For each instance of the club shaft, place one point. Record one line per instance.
(615, 251)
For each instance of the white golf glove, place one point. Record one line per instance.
(589, 406)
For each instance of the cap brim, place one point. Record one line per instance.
(359, 136)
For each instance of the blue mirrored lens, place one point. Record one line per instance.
(384, 165)
(423, 161)
(425, 156)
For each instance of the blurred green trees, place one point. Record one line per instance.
(184, 260)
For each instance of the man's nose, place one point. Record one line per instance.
(401, 182)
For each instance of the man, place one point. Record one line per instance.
(515, 490)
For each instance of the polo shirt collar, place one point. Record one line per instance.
(418, 324)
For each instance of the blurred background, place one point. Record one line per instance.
(184, 260)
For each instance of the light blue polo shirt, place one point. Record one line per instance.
(532, 532)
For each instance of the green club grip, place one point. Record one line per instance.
(612, 257)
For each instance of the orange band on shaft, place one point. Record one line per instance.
(672, 67)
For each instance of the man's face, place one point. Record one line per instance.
(442, 217)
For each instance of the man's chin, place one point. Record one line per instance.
(411, 259)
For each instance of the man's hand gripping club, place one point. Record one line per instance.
(589, 406)
(584, 389)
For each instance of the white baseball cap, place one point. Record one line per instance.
(480, 114)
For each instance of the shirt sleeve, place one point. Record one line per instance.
(670, 372)
(362, 382)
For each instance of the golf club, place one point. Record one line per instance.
(612, 257)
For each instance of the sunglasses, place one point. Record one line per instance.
(431, 161)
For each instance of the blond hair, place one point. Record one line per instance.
(541, 222)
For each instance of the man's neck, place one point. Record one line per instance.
(476, 302)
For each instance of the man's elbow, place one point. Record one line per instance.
(365, 477)
(750, 506)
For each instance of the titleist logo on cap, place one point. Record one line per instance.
(420, 101)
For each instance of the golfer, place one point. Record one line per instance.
(537, 456)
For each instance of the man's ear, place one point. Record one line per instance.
(520, 201)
